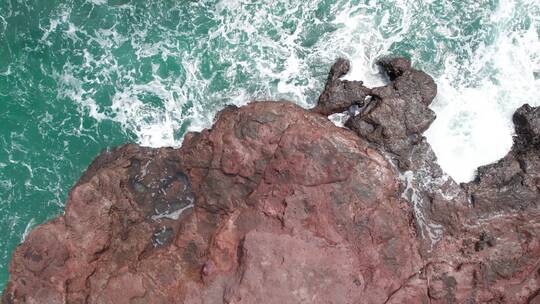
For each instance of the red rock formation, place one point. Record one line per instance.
(275, 204)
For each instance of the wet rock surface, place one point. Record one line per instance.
(479, 241)
(275, 204)
(513, 183)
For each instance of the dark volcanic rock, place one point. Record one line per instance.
(339, 95)
(397, 114)
(513, 183)
(480, 242)
(275, 204)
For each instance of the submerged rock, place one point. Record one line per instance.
(275, 204)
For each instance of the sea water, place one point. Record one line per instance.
(78, 76)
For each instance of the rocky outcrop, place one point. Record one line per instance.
(275, 204)
(511, 184)
(480, 242)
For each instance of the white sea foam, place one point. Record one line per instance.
(483, 76)
(414, 187)
(478, 95)
(98, 2)
(473, 125)
(27, 229)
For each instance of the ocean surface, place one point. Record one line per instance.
(79, 76)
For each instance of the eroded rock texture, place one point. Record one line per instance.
(480, 242)
(275, 204)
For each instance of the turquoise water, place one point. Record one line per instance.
(80, 76)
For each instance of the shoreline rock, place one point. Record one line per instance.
(275, 204)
